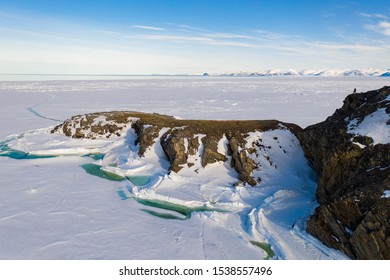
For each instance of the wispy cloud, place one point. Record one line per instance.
(385, 27)
(148, 27)
(267, 35)
(203, 39)
(227, 36)
(268, 41)
(187, 28)
(378, 16)
(345, 47)
(382, 27)
(231, 44)
(170, 38)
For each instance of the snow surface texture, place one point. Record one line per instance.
(374, 125)
(386, 194)
(51, 208)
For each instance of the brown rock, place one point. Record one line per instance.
(351, 180)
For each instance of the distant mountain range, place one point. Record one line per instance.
(370, 72)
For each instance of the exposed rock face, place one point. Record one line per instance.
(96, 124)
(184, 142)
(354, 172)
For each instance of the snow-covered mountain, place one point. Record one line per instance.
(369, 72)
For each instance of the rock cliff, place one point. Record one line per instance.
(350, 150)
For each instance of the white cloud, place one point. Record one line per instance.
(171, 38)
(148, 27)
(271, 35)
(187, 28)
(231, 44)
(227, 36)
(379, 16)
(382, 27)
(345, 47)
(201, 39)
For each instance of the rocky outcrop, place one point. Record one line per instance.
(184, 142)
(354, 172)
(95, 125)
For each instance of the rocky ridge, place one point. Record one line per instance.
(354, 173)
(180, 139)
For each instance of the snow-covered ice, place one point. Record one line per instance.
(52, 209)
(301, 100)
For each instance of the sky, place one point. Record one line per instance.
(191, 37)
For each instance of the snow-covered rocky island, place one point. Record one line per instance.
(172, 188)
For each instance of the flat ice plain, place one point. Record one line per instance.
(52, 209)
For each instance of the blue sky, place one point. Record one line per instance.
(178, 36)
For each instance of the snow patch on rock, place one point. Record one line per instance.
(386, 194)
(374, 125)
